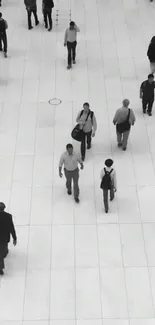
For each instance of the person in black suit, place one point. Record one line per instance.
(6, 228)
(47, 6)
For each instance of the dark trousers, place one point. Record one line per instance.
(29, 13)
(48, 18)
(3, 253)
(86, 138)
(147, 104)
(71, 47)
(72, 175)
(105, 197)
(3, 39)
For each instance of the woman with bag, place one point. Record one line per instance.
(123, 119)
(47, 12)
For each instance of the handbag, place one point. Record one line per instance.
(77, 133)
(124, 126)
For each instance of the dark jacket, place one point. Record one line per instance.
(147, 89)
(3, 25)
(151, 52)
(48, 5)
(6, 227)
(30, 4)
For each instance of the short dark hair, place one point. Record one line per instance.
(86, 104)
(108, 162)
(2, 206)
(0, 14)
(72, 23)
(69, 145)
(150, 75)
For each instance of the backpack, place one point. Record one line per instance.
(106, 182)
(91, 115)
(2, 26)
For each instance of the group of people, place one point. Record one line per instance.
(47, 6)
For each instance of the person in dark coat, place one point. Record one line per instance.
(47, 12)
(6, 228)
(3, 35)
(31, 7)
(147, 94)
(151, 54)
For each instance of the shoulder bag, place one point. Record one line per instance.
(124, 126)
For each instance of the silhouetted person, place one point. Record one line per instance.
(47, 12)
(147, 94)
(151, 54)
(31, 7)
(6, 229)
(3, 35)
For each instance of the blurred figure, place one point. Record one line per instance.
(47, 12)
(147, 94)
(70, 41)
(6, 229)
(123, 119)
(151, 54)
(108, 182)
(3, 35)
(31, 7)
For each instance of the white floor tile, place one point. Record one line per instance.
(62, 246)
(86, 246)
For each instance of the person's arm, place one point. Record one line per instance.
(12, 230)
(141, 91)
(6, 24)
(80, 162)
(61, 162)
(115, 118)
(77, 28)
(114, 180)
(94, 125)
(65, 38)
(78, 117)
(102, 174)
(133, 118)
(149, 51)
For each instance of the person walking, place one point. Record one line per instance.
(123, 119)
(147, 94)
(151, 54)
(31, 7)
(87, 121)
(71, 41)
(6, 228)
(48, 5)
(108, 182)
(70, 161)
(3, 35)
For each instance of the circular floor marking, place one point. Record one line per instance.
(55, 101)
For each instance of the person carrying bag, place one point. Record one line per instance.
(77, 133)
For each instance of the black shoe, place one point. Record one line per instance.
(69, 66)
(106, 211)
(124, 149)
(1, 272)
(149, 113)
(89, 147)
(119, 145)
(77, 200)
(74, 62)
(49, 29)
(83, 158)
(69, 192)
(30, 27)
(144, 111)
(111, 199)
(5, 55)
(37, 22)
(46, 26)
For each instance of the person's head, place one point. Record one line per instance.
(108, 162)
(72, 25)
(153, 40)
(125, 103)
(86, 107)
(2, 206)
(0, 15)
(69, 148)
(150, 78)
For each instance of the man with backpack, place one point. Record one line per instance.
(87, 121)
(108, 182)
(3, 35)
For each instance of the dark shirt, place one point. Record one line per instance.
(6, 227)
(3, 25)
(151, 52)
(147, 89)
(30, 4)
(48, 4)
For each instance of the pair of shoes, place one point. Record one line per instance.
(5, 54)
(120, 144)
(124, 149)
(76, 199)
(69, 66)
(37, 22)
(69, 192)
(30, 27)
(83, 158)
(149, 113)
(89, 147)
(1, 272)
(49, 29)
(74, 62)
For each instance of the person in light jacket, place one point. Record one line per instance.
(87, 120)
(71, 41)
(31, 7)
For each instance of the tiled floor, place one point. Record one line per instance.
(74, 264)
